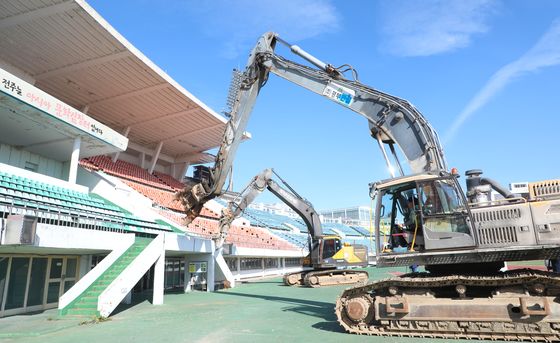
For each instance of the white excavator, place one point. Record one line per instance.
(329, 260)
(422, 218)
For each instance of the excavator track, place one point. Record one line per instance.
(335, 277)
(294, 279)
(330, 277)
(519, 305)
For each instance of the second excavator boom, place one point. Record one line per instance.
(327, 253)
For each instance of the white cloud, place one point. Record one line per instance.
(428, 27)
(545, 53)
(241, 22)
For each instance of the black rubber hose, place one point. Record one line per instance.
(497, 187)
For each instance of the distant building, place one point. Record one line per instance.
(275, 208)
(355, 216)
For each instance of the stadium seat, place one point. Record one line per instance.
(169, 180)
(161, 188)
(65, 206)
(124, 170)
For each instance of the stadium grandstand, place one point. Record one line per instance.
(95, 141)
(356, 216)
(344, 223)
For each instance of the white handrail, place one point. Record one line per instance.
(95, 273)
(222, 264)
(123, 284)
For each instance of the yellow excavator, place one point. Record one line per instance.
(329, 258)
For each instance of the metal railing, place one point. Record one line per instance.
(54, 214)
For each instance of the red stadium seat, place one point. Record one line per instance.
(128, 171)
(161, 188)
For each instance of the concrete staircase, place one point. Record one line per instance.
(86, 304)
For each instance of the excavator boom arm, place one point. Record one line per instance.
(243, 95)
(392, 120)
(257, 185)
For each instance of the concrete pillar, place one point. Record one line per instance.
(125, 133)
(238, 265)
(142, 161)
(210, 279)
(190, 259)
(155, 157)
(159, 279)
(187, 276)
(182, 171)
(73, 172)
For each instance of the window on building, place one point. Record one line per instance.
(271, 263)
(250, 263)
(18, 283)
(3, 276)
(232, 263)
(37, 281)
(174, 273)
(31, 283)
(293, 262)
(34, 167)
(95, 259)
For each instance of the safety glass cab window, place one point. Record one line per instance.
(443, 208)
(399, 217)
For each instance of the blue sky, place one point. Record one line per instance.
(485, 73)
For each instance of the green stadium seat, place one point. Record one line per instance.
(78, 207)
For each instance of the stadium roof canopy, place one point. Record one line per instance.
(68, 50)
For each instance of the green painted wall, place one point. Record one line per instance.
(18, 158)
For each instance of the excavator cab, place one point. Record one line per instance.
(329, 252)
(422, 213)
(322, 250)
(330, 245)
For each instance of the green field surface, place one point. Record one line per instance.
(259, 311)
